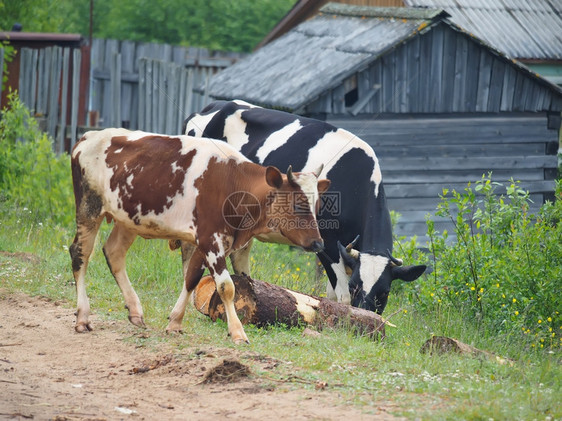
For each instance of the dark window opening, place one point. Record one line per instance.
(351, 97)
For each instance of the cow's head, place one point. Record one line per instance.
(292, 205)
(372, 276)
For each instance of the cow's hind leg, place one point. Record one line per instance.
(193, 268)
(115, 250)
(80, 252)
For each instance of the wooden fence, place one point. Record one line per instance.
(152, 87)
(49, 82)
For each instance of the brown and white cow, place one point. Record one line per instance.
(201, 191)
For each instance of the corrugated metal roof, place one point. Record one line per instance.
(521, 29)
(318, 55)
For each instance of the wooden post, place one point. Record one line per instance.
(262, 303)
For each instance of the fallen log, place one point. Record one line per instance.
(261, 303)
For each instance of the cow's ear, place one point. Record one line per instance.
(323, 185)
(273, 177)
(408, 273)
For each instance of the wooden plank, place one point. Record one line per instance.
(161, 95)
(397, 175)
(96, 85)
(376, 77)
(434, 190)
(460, 83)
(401, 204)
(189, 93)
(171, 114)
(155, 96)
(425, 72)
(484, 163)
(115, 70)
(518, 98)
(413, 74)
(365, 93)
(129, 108)
(64, 98)
(484, 78)
(401, 79)
(538, 121)
(182, 113)
(527, 92)
(54, 89)
(45, 56)
(338, 100)
(471, 75)
(388, 82)
(34, 76)
(468, 150)
(76, 64)
(496, 85)
(142, 67)
(448, 76)
(436, 73)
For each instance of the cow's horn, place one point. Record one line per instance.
(353, 253)
(394, 260)
(352, 244)
(290, 175)
(318, 171)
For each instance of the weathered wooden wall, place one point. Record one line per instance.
(439, 71)
(422, 155)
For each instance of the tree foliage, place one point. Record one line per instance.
(218, 24)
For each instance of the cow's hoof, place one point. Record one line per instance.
(137, 321)
(239, 338)
(174, 327)
(174, 331)
(83, 327)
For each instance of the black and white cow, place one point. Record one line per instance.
(354, 206)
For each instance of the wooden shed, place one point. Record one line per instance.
(439, 106)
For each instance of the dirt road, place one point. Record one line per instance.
(48, 372)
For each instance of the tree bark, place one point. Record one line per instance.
(261, 303)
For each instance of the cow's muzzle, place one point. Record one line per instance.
(316, 246)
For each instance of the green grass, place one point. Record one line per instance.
(364, 372)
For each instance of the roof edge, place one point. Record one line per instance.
(383, 12)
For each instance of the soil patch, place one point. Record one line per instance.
(49, 372)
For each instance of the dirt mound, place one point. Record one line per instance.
(227, 371)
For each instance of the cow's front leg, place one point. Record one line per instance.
(225, 288)
(193, 269)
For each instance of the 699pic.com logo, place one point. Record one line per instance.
(241, 210)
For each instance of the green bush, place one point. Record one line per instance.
(504, 269)
(35, 183)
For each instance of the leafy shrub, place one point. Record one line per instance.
(504, 269)
(34, 181)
